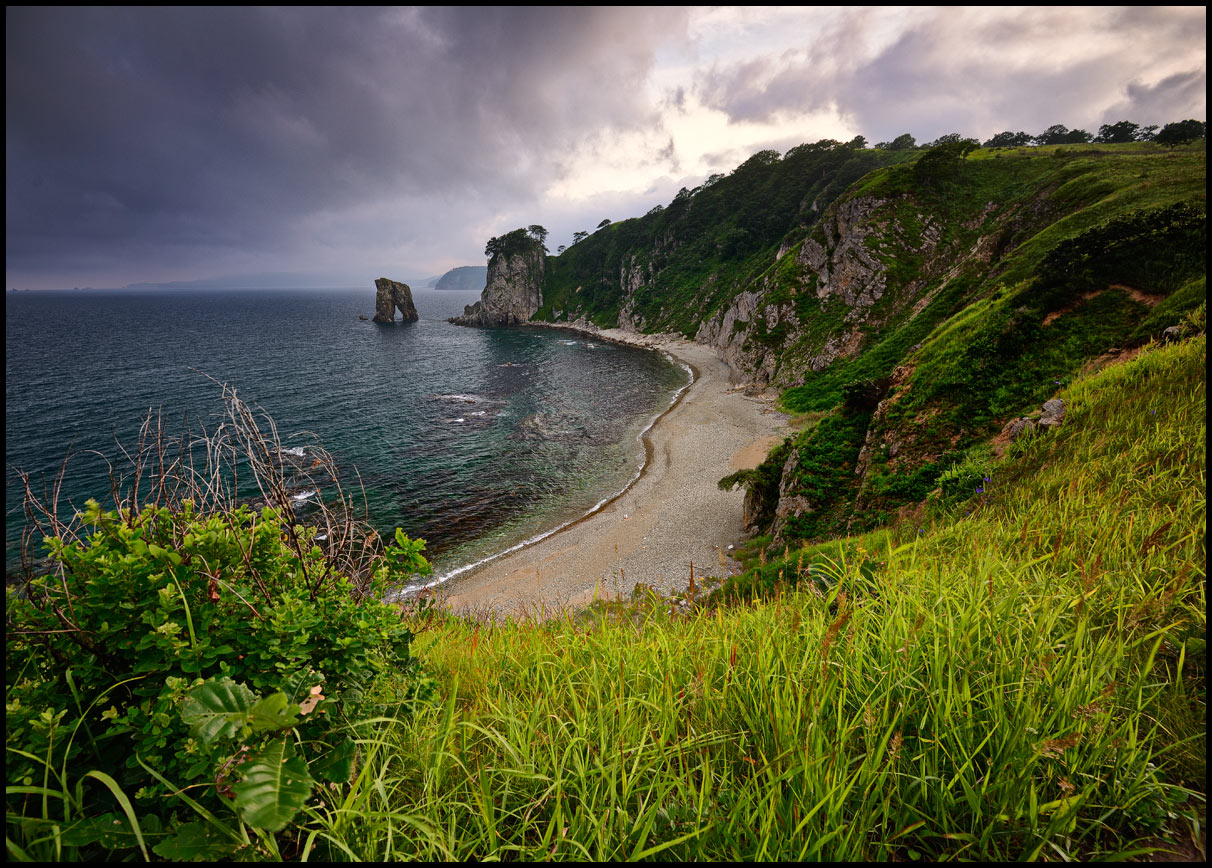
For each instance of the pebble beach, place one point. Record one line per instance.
(672, 516)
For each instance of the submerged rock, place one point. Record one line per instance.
(390, 295)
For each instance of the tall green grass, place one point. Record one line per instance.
(1014, 675)
(1019, 678)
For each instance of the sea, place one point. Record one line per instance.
(475, 440)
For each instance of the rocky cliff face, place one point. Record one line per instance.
(825, 293)
(513, 293)
(391, 295)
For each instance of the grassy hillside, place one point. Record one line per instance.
(1019, 676)
(1036, 266)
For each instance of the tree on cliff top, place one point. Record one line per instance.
(942, 163)
(538, 233)
(515, 242)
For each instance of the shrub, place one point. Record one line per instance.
(141, 605)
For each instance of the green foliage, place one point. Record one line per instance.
(1023, 682)
(517, 242)
(761, 484)
(943, 162)
(1059, 134)
(1156, 251)
(104, 645)
(825, 462)
(1008, 139)
(1119, 132)
(1181, 133)
(968, 477)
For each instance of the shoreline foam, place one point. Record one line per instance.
(670, 514)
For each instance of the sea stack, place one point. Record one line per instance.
(514, 289)
(391, 294)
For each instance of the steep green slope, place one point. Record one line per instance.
(1078, 258)
(920, 300)
(675, 266)
(1018, 676)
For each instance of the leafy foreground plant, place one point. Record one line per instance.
(185, 655)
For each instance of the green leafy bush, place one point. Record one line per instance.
(137, 605)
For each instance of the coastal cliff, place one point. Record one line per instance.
(909, 316)
(513, 292)
(391, 295)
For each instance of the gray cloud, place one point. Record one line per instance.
(177, 137)
(185, 142)
(951, 70)
(1171, 99)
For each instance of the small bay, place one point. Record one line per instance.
(471, 439)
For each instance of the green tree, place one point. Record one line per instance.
(903, 142)
(1059, 134)
(1181, 133)
(1117, 133)
(1007, 139)
(538, 233)
(943, 162)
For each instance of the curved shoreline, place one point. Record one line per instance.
(670, 515)
(645, 441)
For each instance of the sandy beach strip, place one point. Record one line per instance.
(672, 516)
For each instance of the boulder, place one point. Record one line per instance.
(1054, 413)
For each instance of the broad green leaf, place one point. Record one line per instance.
(274, 787)
(296, 686)
(273, 712)
(220, 708)
(336, 765)
(112, 831)
(196, 842)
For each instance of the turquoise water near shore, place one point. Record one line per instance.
(471, 439)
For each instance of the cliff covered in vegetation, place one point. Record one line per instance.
(906, 304)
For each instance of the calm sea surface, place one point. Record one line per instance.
(471, 439)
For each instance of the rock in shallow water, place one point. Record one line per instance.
(389, 295)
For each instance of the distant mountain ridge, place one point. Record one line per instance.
(464, 277)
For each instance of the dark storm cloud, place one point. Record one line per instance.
(177, 136)
(954, 70)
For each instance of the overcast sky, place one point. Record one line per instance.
(184, 143)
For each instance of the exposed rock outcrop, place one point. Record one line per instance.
(391, 295)
(1051, 415)
(790, 505)
(842, 267)
(513, 293)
